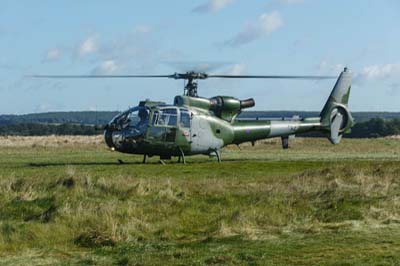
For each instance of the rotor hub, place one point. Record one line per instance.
(191, 86)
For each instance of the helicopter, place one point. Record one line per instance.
(195, 125)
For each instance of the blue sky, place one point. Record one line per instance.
(291, 37)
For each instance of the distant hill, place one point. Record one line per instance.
(85, 117)
(368, 124)
(358, 116)
(103, 117)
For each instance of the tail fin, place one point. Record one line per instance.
(335, 116)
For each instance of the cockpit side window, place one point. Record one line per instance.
(154, 121)
(138, 117)
(134, 120)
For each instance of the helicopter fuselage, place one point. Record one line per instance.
(193, 125)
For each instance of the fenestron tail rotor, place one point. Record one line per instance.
(190, 88)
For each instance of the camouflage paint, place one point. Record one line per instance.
(213, 125)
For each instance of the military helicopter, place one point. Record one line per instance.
(196, 125)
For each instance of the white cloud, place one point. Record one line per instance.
(387, 71)
(236, 69)
(133, 51)
(270, 22)
(266, 24)
(388, 75)
(291, 2)
(142, 29)
(53, 54)
(137, 53)
(394, 89)
(48, 107)
(107, 67)
(88, 46)
(195, 66)
(276, 4)
(212, 6)
(43, 107)
(325, 66)
(233, 86)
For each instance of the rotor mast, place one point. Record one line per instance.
(190, 88)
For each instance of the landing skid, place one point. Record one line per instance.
(181, 157)
(216, 153)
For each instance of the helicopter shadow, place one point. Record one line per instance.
(39, 165)
(109, 163)
(122, 163)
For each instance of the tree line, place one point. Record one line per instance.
(373, 128)
(103, 117)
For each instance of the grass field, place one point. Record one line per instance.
(67, 201)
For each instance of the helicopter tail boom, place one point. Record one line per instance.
(335, 119)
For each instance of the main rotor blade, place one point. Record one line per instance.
(270, 77)
(188, 75)
(100, 76)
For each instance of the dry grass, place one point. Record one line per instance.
(50, 141)
(77, 200)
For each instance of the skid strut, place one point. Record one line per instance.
(182, 156)
(285, 143)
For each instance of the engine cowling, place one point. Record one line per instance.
(224, 107)
(227, 107)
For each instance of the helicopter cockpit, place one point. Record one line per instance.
(129, 125)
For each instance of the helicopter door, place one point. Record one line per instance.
(185, 124)
(200, 134)
(163, 126)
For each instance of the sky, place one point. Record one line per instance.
(263, 37)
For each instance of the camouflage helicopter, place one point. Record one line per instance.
(195, 125)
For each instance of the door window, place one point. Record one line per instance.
(166, 117)
(185, 119)
(164, 125)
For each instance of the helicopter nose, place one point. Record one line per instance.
(108, 138)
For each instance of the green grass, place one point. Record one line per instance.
(66, 201)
